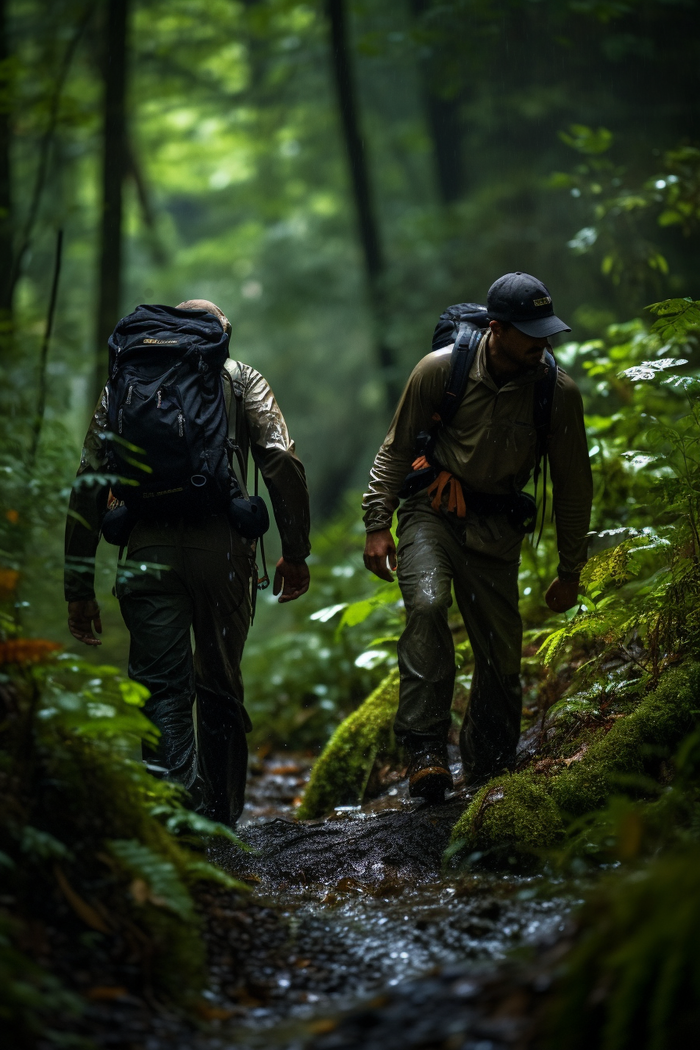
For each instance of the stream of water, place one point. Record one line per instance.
(351, 938)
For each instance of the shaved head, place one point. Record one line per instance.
(212, 308)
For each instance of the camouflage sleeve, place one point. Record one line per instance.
(572, 481)
(86, 509)
(419, 401)
(283, 473)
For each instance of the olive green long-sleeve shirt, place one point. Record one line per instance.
(490, 445)
(259, 427)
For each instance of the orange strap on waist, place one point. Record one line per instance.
(455, 496)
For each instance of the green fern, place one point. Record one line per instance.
(165, 888)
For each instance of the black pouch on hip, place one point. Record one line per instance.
(522, 512)
(249, 517)
(117, 525)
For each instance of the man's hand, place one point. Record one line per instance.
(380, 549)
(562, 595)
(292, 578)
(81, 617)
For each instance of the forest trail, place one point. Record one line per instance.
(372, 942)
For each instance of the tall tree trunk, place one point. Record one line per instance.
(115, 162)
(442, 114)
(368, 228)
(6, 227)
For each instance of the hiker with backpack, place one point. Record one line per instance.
(479, 415)
(163, 475)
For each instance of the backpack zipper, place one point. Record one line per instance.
(121, 419)
(181, 424)
(159, 398)
(128, 396)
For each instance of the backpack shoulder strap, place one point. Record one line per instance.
(232, 379)
(462, 359)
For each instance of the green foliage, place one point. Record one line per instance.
(618, 202)
(675, 318)
(86, 826)
(340, 775)
(164, 887)
(642, 579)
(633, 979)
(586, 140)
(32, 1000)
(306, 673)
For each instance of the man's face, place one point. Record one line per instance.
(520, 350)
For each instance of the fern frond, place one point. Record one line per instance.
(164, 887)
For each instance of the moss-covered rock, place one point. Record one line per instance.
(522, 814)
(512, 818)
(631, 748)
(340, 774)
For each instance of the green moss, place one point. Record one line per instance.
(629, 750)
(520, 814)
(341, 772)
(513, 816)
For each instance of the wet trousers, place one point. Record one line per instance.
(431, 557)
(204, 594)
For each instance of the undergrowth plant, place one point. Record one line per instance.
(643, 586)
(91, 842)
(303, 679)
(98, 859)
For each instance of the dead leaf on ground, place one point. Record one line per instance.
(213, 1013)
(323, 1025)
(106, 993)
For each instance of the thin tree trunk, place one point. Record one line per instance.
(115, 161)
(444, 122)
(148, 214)
(6, 226)
(44, 355)
(368, 228)
(24, 238)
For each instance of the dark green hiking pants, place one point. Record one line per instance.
(204, 594)
(431, 556)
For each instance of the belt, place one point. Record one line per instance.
(519, 507)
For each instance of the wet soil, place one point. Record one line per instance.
(383, 945)
(354, 936)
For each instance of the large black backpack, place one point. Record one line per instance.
(167, 422)
(463, 325)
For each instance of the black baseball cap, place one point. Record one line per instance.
(524, 301)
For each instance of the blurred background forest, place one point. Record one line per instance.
(333, 175)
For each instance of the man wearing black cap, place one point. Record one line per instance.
(487, 451)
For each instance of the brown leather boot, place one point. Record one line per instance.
(429, 774)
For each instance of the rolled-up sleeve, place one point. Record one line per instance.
(572, 481)
(273, 450)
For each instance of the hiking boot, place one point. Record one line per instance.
(429, 775)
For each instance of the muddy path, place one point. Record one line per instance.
(381, 940)
(354, 935)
